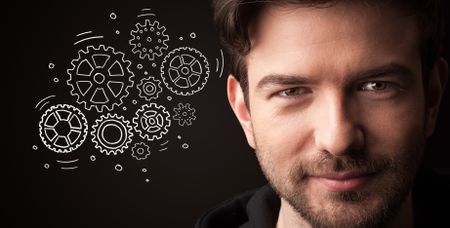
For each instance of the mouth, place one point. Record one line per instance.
(343, 181)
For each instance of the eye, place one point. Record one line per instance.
(293, 92)
(376, 86)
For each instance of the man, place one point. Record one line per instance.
(337, 98)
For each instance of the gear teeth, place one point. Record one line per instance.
(112, 120)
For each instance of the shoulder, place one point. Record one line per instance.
(230, 213)
(431, 198)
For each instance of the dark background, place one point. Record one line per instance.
(183, 183)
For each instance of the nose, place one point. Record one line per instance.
(337, 131)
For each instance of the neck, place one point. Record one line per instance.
(288, 217)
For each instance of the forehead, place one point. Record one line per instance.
(332, 37)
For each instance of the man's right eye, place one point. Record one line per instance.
(293, 92)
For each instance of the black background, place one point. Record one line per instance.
(183, 183)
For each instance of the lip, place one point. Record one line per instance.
(344, 181)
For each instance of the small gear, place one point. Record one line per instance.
(185, 71)
(100, 78)
(149, 39)
(152, 121)
(149, 88)
(63, 128)
(184, 114)
(111, 134)
(140, 151)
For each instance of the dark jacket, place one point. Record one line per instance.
(259, 208)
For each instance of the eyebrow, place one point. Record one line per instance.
(283, 79)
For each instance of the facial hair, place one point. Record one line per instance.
(392, 183)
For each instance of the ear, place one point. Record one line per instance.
(436, 86)
(237, 102)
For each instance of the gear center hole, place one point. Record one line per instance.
(63, 128)
(99, 78)
(185, 70)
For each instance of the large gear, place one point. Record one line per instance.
(111, 134)
(152, 121)
(184, 114)
(100, 77)
(149, 40)
(149, 88)
(140, 151)
(185, 71)
(63, 128)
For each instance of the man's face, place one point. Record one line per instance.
(337, 109)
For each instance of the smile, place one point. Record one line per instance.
(343, 181)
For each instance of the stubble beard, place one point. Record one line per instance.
(391, 186)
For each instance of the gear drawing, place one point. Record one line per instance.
(184, 114)
(140, 151)
(149, 39)
(100, 77)
(111, 134)
(63, 128)
(149, 88)
(185, 71)
(152, 121)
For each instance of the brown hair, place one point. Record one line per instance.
(234, 17)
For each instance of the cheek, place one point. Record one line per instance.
(395, 128)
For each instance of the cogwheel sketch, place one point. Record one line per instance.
(152, 121)
(100, 77)
(185, 71)
(149, 39)
(140, 151)
(111, 134)
(184, 114)
(63, 128)
(149, 88)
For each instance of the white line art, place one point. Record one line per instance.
(147, 180)
(185, 146)
(51, 65)
(221, 64)
(149, 40)
(152, 121)
(113, 16)
(100, 78)
(144, 170)
(35, 147)
(84, 33)
(111, 134)
(118, 167)
(46, 166)
(149, 88)
(193, 35)
(63, 128)
(88, 38)
(92, 158)
(140, 151)
(185, 71)
(67, 162)
(164, 143)
(43, 100)
(69, 168)
(146, 14)
(184, 114)
(146, 9)
(163, 149)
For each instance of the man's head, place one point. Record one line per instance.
(332, 97)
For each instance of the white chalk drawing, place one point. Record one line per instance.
(146, 13)
(45, 101)
(152, 121)
(149, 88)
(68, 165)
(144, 170)
(113, 16)
(118, 167)
(63, 128)
(140, 151)
(46, 166)
(87, 38)
(92, 158)
(149, 40)
(185, 71)
(120, 133)
(193, 35)
(184, 114)
(51, 66)
(220, 64)
(100, 78)
(185, 146)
